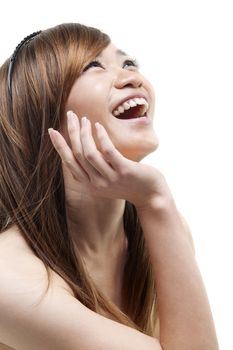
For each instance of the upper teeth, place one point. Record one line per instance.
(131, 103)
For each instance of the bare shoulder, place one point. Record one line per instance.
(23, 276)
(19, 264)
(56, 321)
(17, 261)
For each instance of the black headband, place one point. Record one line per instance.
(25, 41)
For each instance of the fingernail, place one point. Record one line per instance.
(84, 120)
(70, 117)
(52, 134)
(97, 125)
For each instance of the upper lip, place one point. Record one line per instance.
(135, 95)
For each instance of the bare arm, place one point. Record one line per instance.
(185, 316)
(58, 321)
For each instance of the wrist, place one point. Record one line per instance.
(159, 199)
(157, 203)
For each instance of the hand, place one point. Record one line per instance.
(106, 172)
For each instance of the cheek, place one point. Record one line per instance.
(150, 89)
(87, 99)
(151, 93)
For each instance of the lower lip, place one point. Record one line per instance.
(145, 120)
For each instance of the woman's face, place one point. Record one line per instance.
(112, 88)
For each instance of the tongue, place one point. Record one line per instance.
(133, 112)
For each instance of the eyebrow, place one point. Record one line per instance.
(118, 52)
(121, 53)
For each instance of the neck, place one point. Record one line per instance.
(95, 224)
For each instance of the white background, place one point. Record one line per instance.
(185, 50)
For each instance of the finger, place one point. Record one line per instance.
(92, 154)
(73, 127)
(116, 159)
(67, 156)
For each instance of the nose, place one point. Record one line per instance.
(127, 78)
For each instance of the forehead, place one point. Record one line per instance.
(112, 51)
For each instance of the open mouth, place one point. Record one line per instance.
(131, 109)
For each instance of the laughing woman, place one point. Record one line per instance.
(93, 251)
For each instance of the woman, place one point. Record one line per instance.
(78, 207)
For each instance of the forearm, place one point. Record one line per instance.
(185, 317)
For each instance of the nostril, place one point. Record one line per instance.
(128, 78)
(129, 85)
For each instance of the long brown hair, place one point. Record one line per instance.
(31, 179)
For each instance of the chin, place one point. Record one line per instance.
(137, 154)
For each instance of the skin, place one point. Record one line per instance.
(96, 175)
(101, 240)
